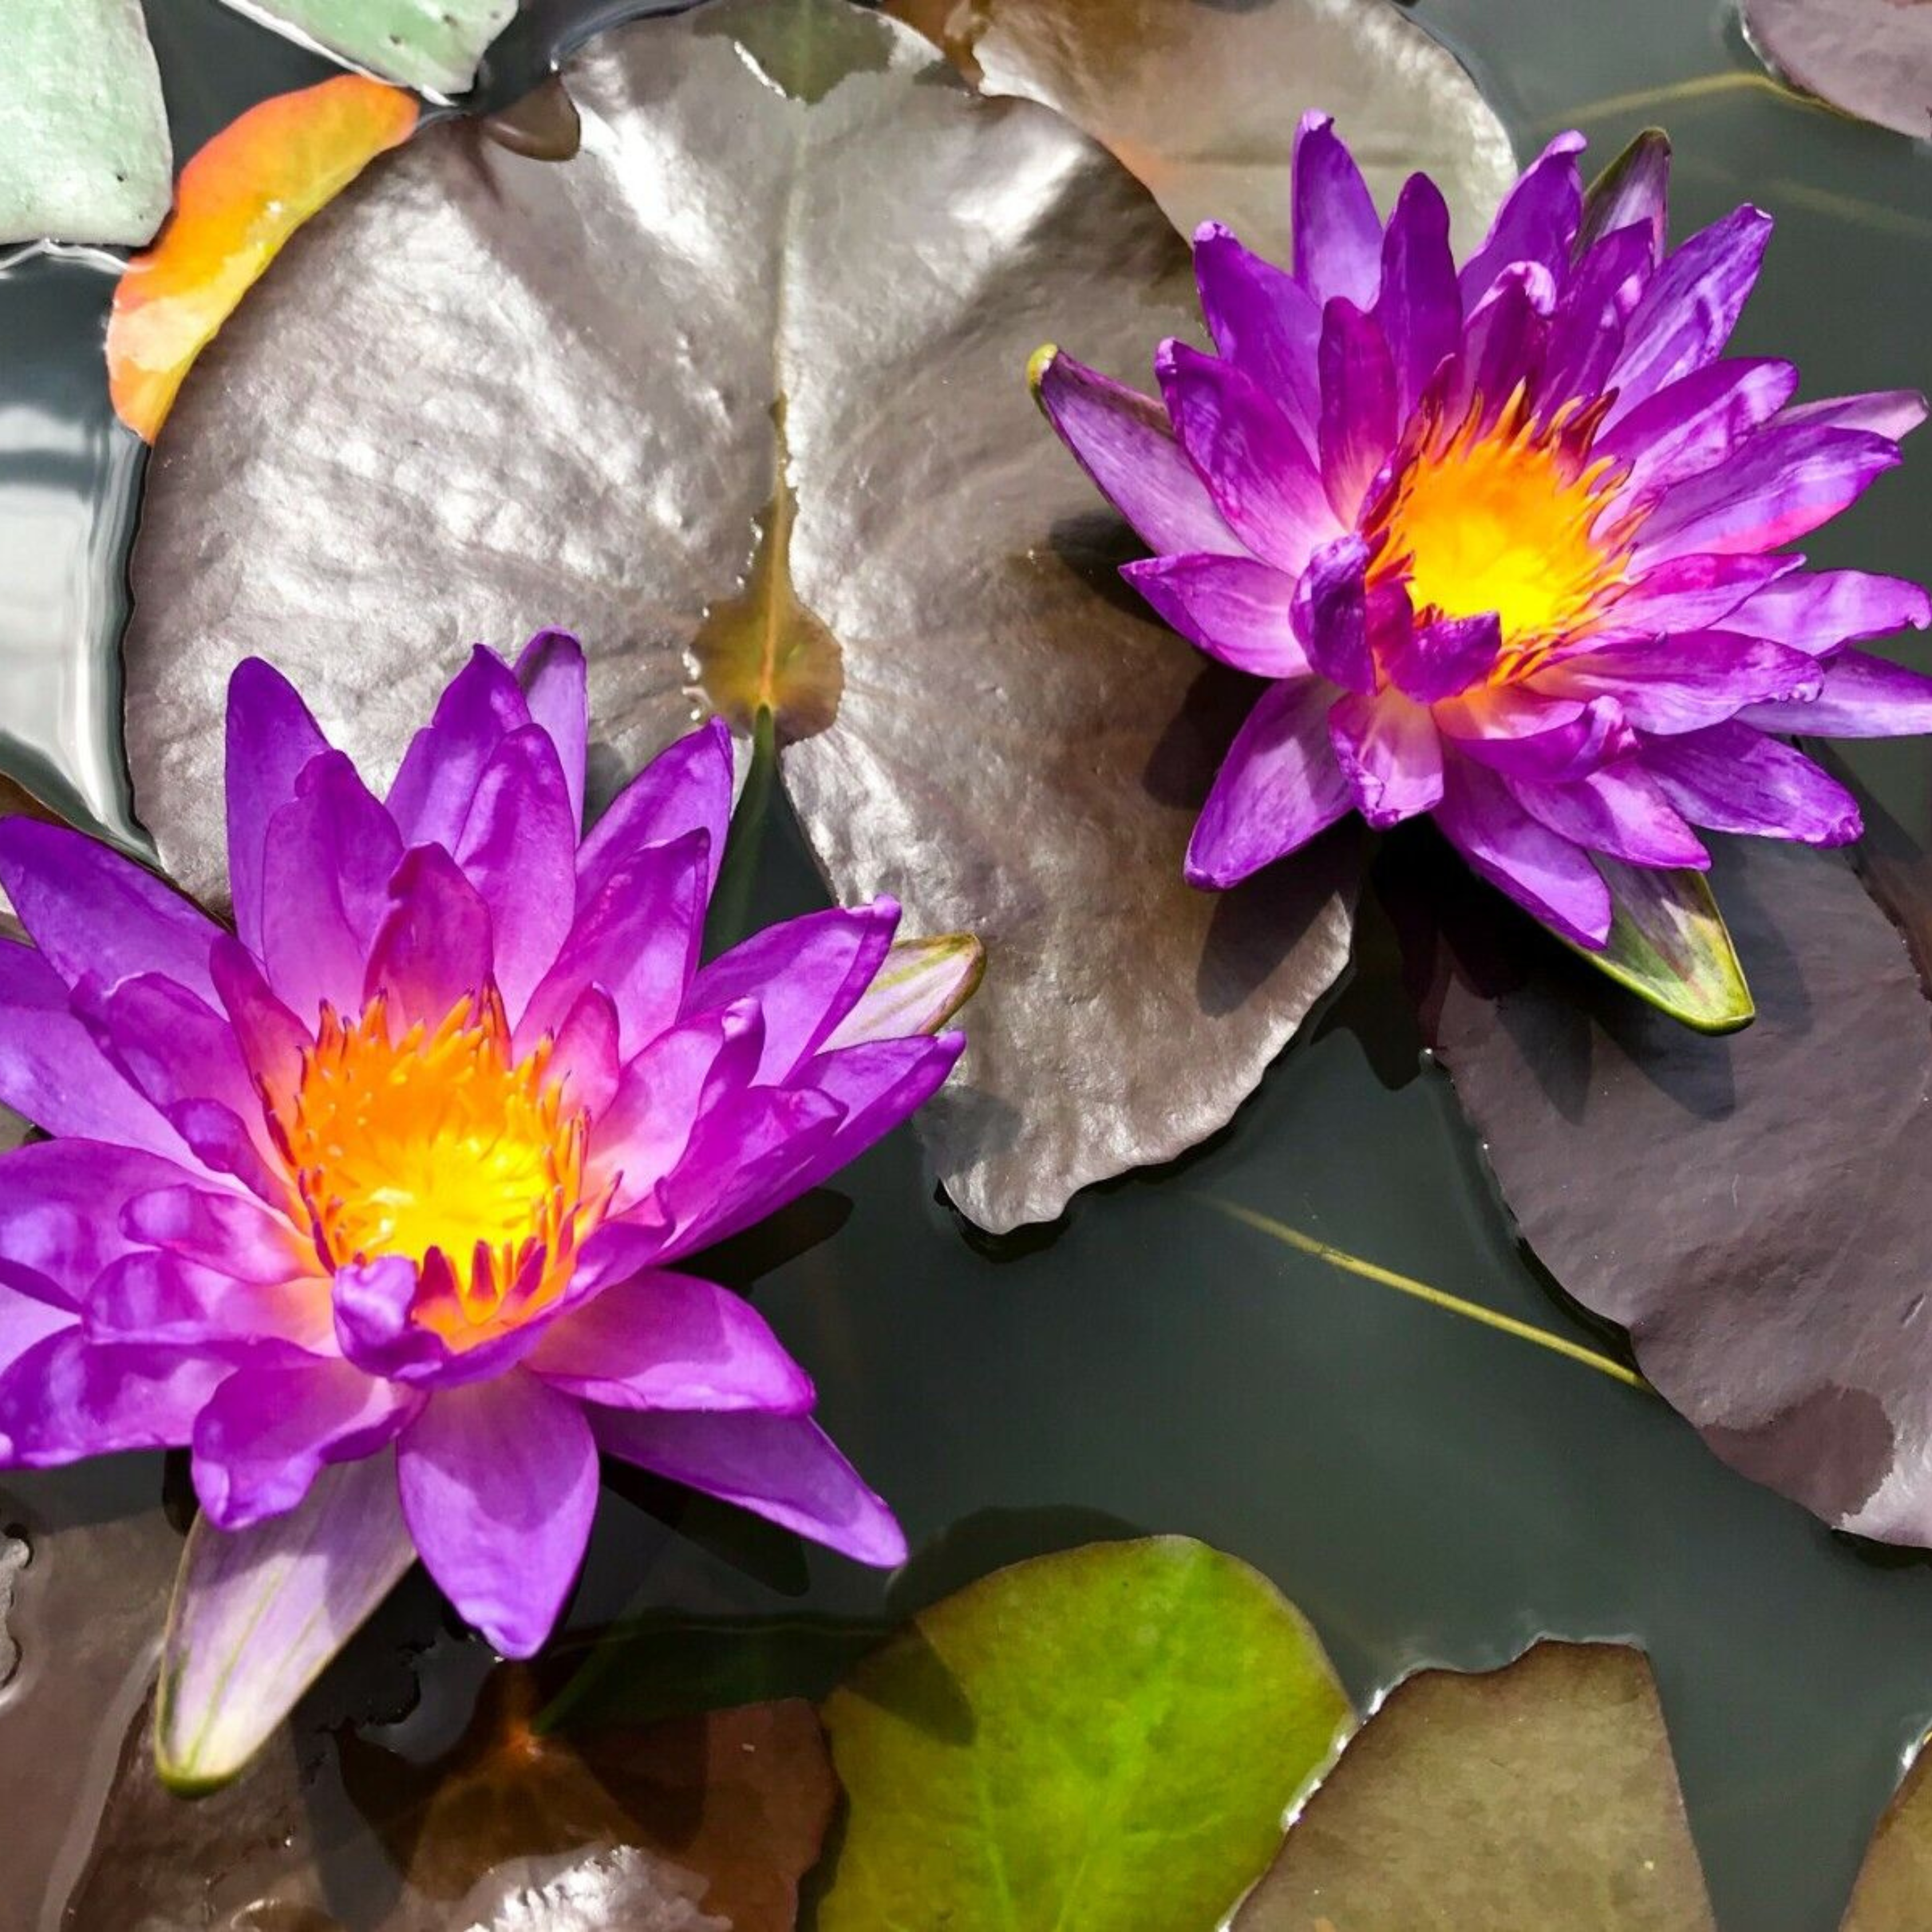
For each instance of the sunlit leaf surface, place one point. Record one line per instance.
(1194, 96)
(1751, 1209)
(1870, 58)
(84, 149)
(432, 44)
(242, 197)
(1521, 1800)
(487, 394)
(1105, 1738)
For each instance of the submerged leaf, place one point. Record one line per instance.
(1751, 1209)
(1105, 1738)
(431, 44)
(1871, 58)
(1520, 1800)
(490, 394)
(242, 197)
(84, 149)
(260, 1613)
(1197, 96)
(1668, 946)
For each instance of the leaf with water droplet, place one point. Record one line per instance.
(432, 44)
(84, 149)
(1540, 1795)
(506, 393)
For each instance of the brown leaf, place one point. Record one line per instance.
(480, 394)
(1751, 1209)
(1520, 1800)
(1893, 1893)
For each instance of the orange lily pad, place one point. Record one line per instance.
(239, 200)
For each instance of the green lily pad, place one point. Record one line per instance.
(432, 44)
(84, 149)
(1105, 1738)
(1520, 1800)
(1668, 946)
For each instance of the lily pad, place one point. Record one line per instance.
(1893, 1893)
(1751, 1209)
(1871, 58)
(1105, 1738)
(1518, 1800)
(84, 149)
(482, 394)
(1193, 96)
(242, 197)
(435, 45)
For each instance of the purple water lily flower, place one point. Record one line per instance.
(1504, 539)
(406, 1163)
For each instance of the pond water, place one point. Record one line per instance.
(1427, 1490)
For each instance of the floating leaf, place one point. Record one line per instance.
(1194, 96)
(258, 1614)
(1893, 1893)
(489, 394)
(1520, 1800)
(1108, 1738)
(1668, 946)
(92, 1554)
(1871, 58)
(431, 44)
(84, 149)
(1750, 1208)
(242, 197)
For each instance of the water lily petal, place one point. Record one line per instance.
(1338, 235)
(807, 974)
(1420, 305)
(258, 1614)
(923, 983)
(433, 946)
(586, 1053)
(1691, 593)
(1634, 191)
(1620, 810)
(784, 1467)
(60, 1207)
(1892, 412)
(1732, 779)
(637, 934)
(879, 1084)
(271, 736)
(435, 783)
(1532, 735)
(518, 848)
(1256, 468)
(51, 1071)
(1698, 678)
(176, 1300)
(1236, 609)
(1262, 320)
(1537, 221)
(1331, 614)
(26, 1321)
(233, 1233)
(271, 1040)
(91, 911)
(1695, 424)
(1688, 313)
(1546, 874)
(554, 679)
(1817, 610)
(269, 1431)
(1279, 786)
(1437, 661)
(1859, 696)
(1124, 442)
(1504, 343)
(662, 1340)
(746, 1157)
(1388, 748)
(69, 1398)
(325, 888)
(685, 788)
(1592, 315)
(1358, 420)
(498, 1484)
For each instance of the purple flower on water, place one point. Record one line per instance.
(408, 1160)
(1504, 539)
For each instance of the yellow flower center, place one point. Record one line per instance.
(1506, 519)
(439, 1142)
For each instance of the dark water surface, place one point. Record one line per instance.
(1428, 1490)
